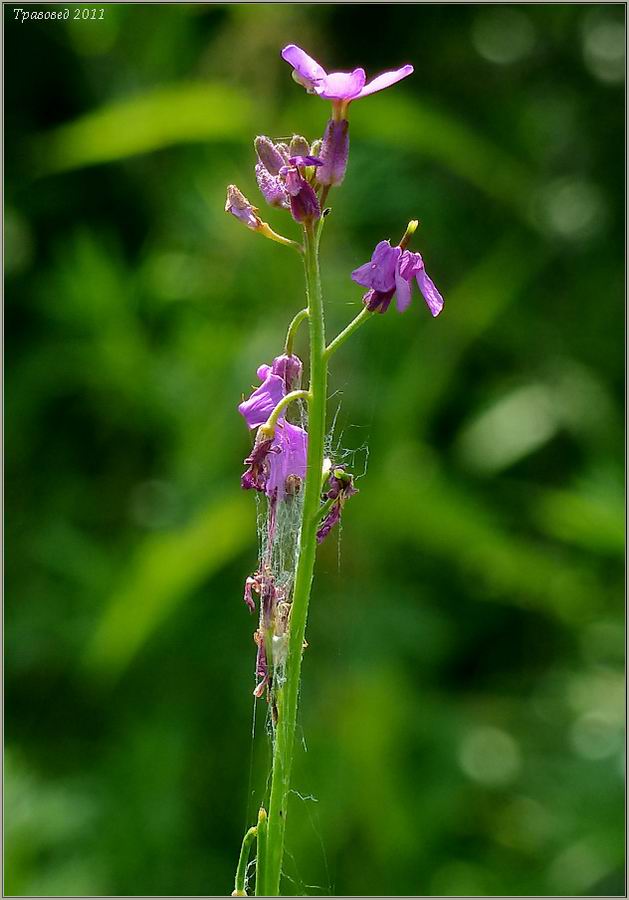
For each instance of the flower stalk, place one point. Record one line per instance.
(287, 696)
(287, 462)
(268, 429)
(292, 330)
(243, 861)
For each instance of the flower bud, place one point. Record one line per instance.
(304, 206)
(271, 187)
(334, 152)
(269, 154)
(298, 146)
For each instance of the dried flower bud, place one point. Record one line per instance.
(238, 205)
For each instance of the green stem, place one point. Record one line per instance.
(243, 860)
(334, 345)
(325, 508)
(292, 330)
(261, 855)
(269, 426)
(287, 695)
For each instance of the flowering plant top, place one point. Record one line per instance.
(338, 85)
(303, 486)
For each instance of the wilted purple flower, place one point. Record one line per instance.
(334, 152)
(289, 368)
(251, 584)
(259, 406)
(329, 522)
(340, 489)
(391, 270)
(262, 669)
(338, 86)
(256, 476)
(290, 449)
(238, 205)
(274, 460)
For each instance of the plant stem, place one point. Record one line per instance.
(288, 693)
(292, 330)
(262, 833)
(241, 871)
(268, 428)
(362, 316)
(325, 508)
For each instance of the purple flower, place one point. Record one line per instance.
(256, 476)
(288, 462)
(289, 368)
(334, 152)
(276, 465)
(339, 86)
(391, 271)
(259, 406)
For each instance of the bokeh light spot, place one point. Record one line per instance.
(490, 755)
(503, 35)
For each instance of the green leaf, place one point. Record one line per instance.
(173, 115)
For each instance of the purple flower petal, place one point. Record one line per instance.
(342, 85)
(402, 291)
(433, 298)
(329, 522)
(291, 445)
(379, 273)
(289, 368)
(385, 80)
(307, 68)
(303, 161)
(410, 265)
(257, 409)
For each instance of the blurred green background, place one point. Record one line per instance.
(462, 709)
